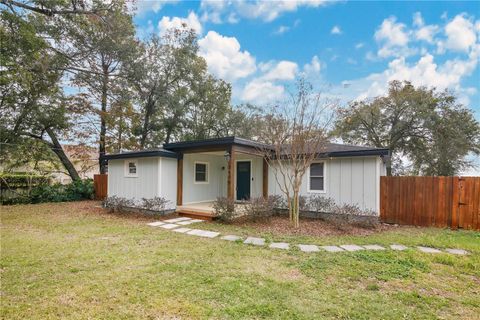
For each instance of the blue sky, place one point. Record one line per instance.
(349, 49)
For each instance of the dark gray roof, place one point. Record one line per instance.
(183, 145)
(141, 154)
(171, 150)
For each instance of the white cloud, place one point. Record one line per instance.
(424, 32)
(313, 68)
(393, 37)
(336, 30)
(282, 29)
(143, 6)
(224, 57)
(359, 45)
(262, 92)
(215, 11)
(425, 72)
(191, 21)
(283, 70)
(460, 34)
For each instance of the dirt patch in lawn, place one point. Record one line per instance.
(310, 227)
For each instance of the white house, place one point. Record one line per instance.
(192, 174)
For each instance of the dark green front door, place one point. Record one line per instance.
(243, 180)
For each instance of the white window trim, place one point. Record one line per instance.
(207, 176)
(324, 178)
(127, 171)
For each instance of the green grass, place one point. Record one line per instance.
(70, 260)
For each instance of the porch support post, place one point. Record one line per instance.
(265, 179)
(230, 174)
(180, 180)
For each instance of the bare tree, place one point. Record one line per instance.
(296, 134)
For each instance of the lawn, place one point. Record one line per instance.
(73, 260)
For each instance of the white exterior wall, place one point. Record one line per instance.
(156, 176)
(217, 178)
(347, 181)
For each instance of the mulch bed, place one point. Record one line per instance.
(310, 227)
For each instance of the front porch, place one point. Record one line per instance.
(206, 170)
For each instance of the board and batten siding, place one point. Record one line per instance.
(156, 177)
(353, 180)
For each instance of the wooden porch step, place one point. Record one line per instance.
(195, 214)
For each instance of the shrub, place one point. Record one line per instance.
(352, 210)
(118, 204)
(16, 180)
(155, 204)
(77, 190)
(320, 203)
(224, 209)
(260, 207)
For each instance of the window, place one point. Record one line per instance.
(317, 177)
(131, 168)
(201, 172)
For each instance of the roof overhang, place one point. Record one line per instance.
(215, 144)
(141, 154)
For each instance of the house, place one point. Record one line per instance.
(192, 174)
(85, 160)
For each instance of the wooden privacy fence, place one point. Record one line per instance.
(101, 186)
(431, 201)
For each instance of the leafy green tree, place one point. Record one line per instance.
(32, 104)
(178, 99)
(417, 123)
(102, 44)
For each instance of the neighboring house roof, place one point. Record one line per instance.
(173, 149)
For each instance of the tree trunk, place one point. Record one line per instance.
(57, 148)
(103, 122)
(296, 210)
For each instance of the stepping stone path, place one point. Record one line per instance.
(373, 247)
(429, 250)
(255, 241)
(169, 226)
(182, 230)
(177, 225)
(231, 238)
(352, 247)
(279, 245)
(155, 224)
(183, 223)
(332, 248)
(398, 247)
(203, 233)
(308, 248)
(457, 251)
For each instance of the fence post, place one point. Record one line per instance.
(455, 198)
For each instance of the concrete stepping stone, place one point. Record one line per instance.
(375, 247)
(332, 248)
(182, 230)
(184, 223)
(398, 247)
(255, 241)
(352, 247)
(175, 220)
(231, 237)
(457, 251)
(155, 224)
(203, 233)
(169, 226)
(279, 245)
(308, 248)
(428, 250)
